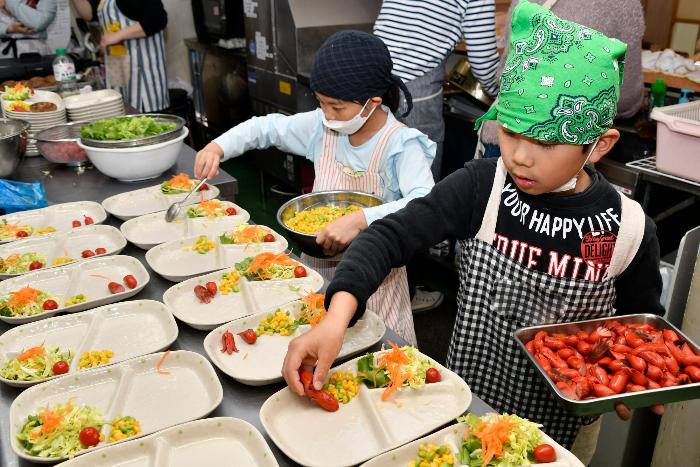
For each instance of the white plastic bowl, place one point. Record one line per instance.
(134, 164)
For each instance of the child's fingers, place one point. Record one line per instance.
(290, 367)
(623, 411)
(323, 366)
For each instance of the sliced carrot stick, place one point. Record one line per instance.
(160, 362)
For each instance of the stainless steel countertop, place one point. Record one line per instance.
(64, 185)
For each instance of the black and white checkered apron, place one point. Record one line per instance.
(497, 296)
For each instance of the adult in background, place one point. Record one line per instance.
(132, 38)
(26, 16)
(420, 35)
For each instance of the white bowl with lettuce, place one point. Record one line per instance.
(135, 147)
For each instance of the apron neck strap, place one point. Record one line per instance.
(488, 224)
(380, 147)
(629, 237)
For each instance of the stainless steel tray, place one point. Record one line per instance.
(607, 404)
(145, 141)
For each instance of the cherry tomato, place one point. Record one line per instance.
(21, 234)
(130, 281)
(36, 265)
(115, 288)
(89, 436)
(100, 251)
(88, 253)
(204, 187)
(249, 336)
(432, 376)
(88, 220)
(269, 238)
(76, 224)
(299, 271)
(50, 305)
(60, 367)
(544, 453)
(211, 288)
(230, 212)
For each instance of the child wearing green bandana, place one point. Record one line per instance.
(544, 237)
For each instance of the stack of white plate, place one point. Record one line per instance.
(94, 105)
(39, 120)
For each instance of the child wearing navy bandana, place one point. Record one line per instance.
(356, 144)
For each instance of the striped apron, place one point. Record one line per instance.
(497, 296)
(391, 301)
(146, 84)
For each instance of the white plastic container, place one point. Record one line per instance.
(678, 140)
(139, 163)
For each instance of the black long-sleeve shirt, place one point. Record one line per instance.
(151, 14)
(562, 235)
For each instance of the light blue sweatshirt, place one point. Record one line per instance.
(404, 170)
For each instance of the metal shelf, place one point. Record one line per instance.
(649, 165)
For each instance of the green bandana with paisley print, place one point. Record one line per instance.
(561, 81)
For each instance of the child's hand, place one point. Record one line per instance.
(625, 413)
(207, 161)
(338, 234)
(320, 346)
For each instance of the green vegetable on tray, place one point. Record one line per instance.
(124, 128)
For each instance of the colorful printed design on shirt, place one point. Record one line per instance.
(597, 246)
(578, 248)
(561, 81)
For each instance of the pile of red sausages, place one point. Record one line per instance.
(615, 358)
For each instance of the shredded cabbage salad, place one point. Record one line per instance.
(8, 231)
(32, 366)
(178, 184)
(208, 208)
(245, 233)
(55, 432)
(24, 302)
(500, 440)
(18, 92)
(267, 266)
(18, 264)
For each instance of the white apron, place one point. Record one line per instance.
(142, 79)
(391, 301)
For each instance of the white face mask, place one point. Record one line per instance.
(351, 126)
(571, 184)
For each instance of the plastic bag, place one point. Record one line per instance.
(18, 196)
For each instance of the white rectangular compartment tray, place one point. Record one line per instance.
(89, 278)
(136, 203)
(176, 262)
(364, 427)
(129, 329)
(69, 244)
(452, 436)
(213, 442)
(253, 298)
(261, 363)
(134, 388)
(152, 229)
(57, 216)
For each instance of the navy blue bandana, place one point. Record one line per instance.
(354, 66)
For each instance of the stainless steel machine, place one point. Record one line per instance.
(282, 37)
